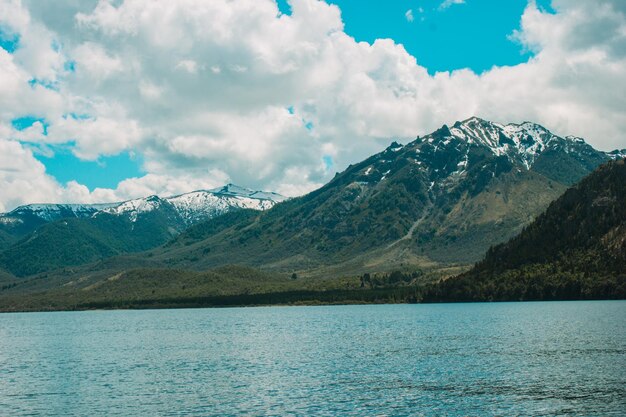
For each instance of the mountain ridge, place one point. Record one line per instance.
(37, 238)
(192, 206)
(420, 211)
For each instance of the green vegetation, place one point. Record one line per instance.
(210, 227)
(74, 241)
(224, 286)
(575, 250)
(6, 240)
(296, 297)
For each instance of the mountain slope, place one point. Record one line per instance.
(72, 242)
(575, 250)
(441, 199)
(25, 219)
(6, 240)
(69, 235)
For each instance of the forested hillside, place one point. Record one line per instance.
(575, 250)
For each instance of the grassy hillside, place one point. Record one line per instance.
(224, 286)
(468, 223)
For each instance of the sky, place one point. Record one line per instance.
(110, 100)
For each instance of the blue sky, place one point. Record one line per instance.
(62, 164)
(474, 34)
(141, 97)
(106, 172)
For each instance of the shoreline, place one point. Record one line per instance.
(278, 299)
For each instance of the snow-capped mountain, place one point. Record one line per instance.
(443, 198)
(87, 233)
(27, 218)
(51, 212)
(199, 205)
(182, 210)
(520, 142)
(448, 153)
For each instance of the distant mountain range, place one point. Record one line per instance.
(190, 207)
(40, 237)
(576, 249)
(442, 200)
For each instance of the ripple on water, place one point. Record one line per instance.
(449, 359)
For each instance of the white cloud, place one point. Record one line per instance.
(188, 65)
(18, 97)
(94, 62)
(201, 89)
(447, 3)
(150, 91)
(24, 179)
(95, 136)
(409, 15)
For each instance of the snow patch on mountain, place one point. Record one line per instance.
(617, 154)
(133, 208)
(200, 205)
(447, 155)
(236, 191)
(521, 143)
(51, 212)
(207, 204)
(191, 207)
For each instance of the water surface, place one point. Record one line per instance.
(557, 358)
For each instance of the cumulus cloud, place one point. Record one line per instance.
(23, 176)
(217, 91)
(447, 3)
(94, 62)
(409, 15)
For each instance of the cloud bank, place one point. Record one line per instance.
(209, 92)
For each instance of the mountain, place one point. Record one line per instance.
(575, 250)
(191, 208)
(41, 237)
(4, 276)
(197, 206)
(440, 200)
(26, 219)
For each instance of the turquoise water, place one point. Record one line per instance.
(559, 358)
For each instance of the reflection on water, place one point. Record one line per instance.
(565, 358)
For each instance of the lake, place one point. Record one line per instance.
(553, 358)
